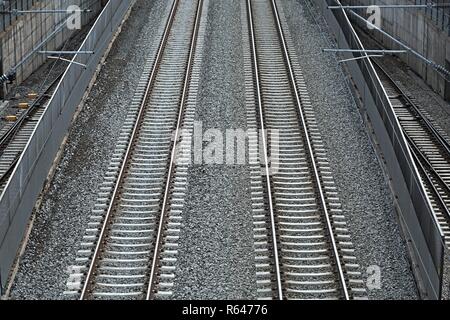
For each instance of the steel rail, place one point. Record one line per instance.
(443, 142)
(425, 167)
(417, 153)
(182, 103)
(311, 153)
(114, 197)
(418, 156)
(9, 135)
(264, 143)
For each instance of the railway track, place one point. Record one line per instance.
(130, 247)
(303, 248)
(14, 137)
(429, 146)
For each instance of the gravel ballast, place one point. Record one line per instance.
(216, 259)
(62, 218)
(366, 198)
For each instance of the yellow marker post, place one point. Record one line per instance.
(23, 105)
(11, 118)
(32, 95)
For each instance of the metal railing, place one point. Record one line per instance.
(26, 182)
(421, 226)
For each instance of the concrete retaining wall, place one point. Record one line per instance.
(20, 35)
(424, 30)
(28, 178)
(419, 224)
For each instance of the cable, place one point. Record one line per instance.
(10, 76)
(91, 5)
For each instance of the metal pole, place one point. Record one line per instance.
(19, 12)
(66, 60)
(365, 51)
(392, 6)
(434, 65)
(362, 57)
(10, 75)
(65, 52)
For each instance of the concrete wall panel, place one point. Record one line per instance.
(424, 30)
(20, 35)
